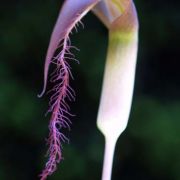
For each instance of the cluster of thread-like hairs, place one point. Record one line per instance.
(61, 92)
(58, 105)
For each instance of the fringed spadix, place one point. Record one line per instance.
(70, 14)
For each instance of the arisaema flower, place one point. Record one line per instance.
(120, 18)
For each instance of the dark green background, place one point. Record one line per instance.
(147, 150)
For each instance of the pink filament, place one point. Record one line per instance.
(69, 17)
(59, 107)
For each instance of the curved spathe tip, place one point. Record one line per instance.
(71, 13)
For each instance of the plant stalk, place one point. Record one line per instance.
(108, 158)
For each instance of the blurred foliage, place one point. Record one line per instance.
(147, 150)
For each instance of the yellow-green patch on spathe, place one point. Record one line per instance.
(121, 38)
(119, 6)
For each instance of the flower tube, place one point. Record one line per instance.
(118, 81)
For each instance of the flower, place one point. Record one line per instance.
(120, 17)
